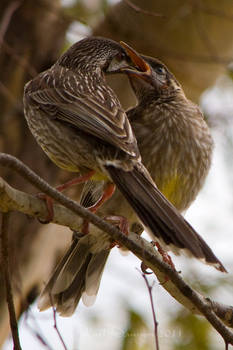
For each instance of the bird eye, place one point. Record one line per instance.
(120, 56)
(160, 70)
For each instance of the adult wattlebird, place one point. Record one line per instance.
(80, 124)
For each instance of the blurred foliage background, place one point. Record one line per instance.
(195, 40)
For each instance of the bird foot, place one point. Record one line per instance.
(49, 201)
(49, 204)
(166, 257)
(144, 269)
(121, 222)
(77, 180)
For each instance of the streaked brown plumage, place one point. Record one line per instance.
(173, 138)
(78, 121)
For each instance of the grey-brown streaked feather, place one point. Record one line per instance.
(79, 271)
(85, 284)
(72, 265)
(94, 272)
(46, 294)
(99, 114)
(66, 301)
(91, 193)
(93, 276)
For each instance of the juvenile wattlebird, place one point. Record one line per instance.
(79, 122)
(173, 138)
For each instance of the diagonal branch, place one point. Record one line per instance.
(216, 313)
(7, 16)
(140, 10)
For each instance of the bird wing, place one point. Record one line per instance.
(94, 109)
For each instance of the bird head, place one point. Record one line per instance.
(95, 55)
(149, 75)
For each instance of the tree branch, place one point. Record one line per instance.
(6, 272)
(11, 199)
(7, 18)
(140, 10)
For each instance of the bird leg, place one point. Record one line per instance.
(121, 222)
(117, 220)
(49, 201)
(77, 180)
(166, 257)
(107, 194)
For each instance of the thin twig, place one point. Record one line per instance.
(145, 12)
(56, 328)
(35, 331)
(6, 273)
(150, 287)
(7, 18)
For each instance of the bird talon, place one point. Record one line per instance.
(49, 201)
(49, 204)
(144, 268)
(120, 221)
(166, 257)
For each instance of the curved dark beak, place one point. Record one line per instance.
(143, 70)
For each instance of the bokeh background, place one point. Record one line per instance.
(195, 40)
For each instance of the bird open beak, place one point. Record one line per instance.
(142, 70)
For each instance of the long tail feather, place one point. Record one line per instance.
(78, 274)
(158, 215)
